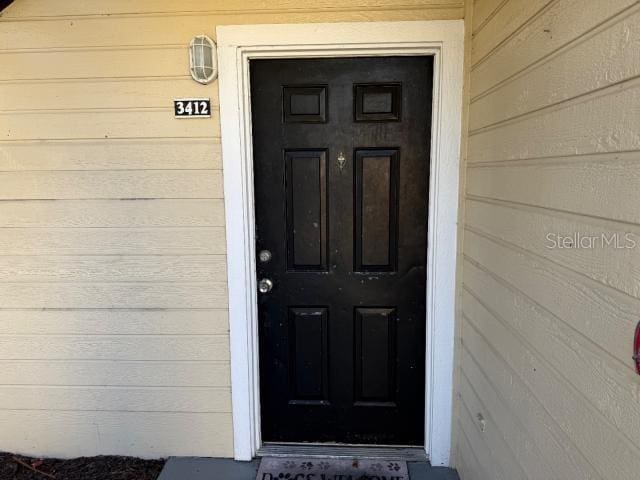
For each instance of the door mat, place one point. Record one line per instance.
(274, 468)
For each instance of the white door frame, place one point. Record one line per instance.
(236, 46)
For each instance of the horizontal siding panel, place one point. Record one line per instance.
(101, 293)
(600, 186)
(579, 301)
(112, 213)
(606, 57)
(104, 31)
(483, 10)
(110, 347)
(115, 373)
(536, 230)
(605, 122)
(179, 29)
(118, 399)
(113, 295)
(462, 461)
(207, 21)
(503, 24)
(495, 459)
(42, 8)
(111, 184)
(114, 322)
(114, 241)
(478, 391)
(552, 151)
(145, 434)
(105, 124)
(608, 387)
(613, 456)
(563, 22)
(500, 450)
(489, 467)
(145, 92)
(122, 62)
(111, 154)
(558, 451)
(113, 268)
(475, 471)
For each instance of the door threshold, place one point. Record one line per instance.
(332, 450)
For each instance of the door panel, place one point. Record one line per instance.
(341, 166)
(308, 342)
(376, 199)
(306, 189)
(375, 353)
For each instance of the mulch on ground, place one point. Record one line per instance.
(17, 467)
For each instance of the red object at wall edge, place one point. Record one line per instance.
(636, 348)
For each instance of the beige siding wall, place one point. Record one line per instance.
(553, 148)
(113, 321)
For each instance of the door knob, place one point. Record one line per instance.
(265, 285)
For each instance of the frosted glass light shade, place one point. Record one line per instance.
(202, 59)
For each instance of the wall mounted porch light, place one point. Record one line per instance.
(202, 59)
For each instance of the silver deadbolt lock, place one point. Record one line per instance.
(265, 285)
(264, 256)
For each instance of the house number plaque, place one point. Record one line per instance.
(192, 107)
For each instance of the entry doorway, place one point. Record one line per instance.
(238, 45)
(341, 180)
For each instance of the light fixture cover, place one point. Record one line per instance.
(202, 59)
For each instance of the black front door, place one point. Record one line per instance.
(341, 166)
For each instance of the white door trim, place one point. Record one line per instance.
(236, 46)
